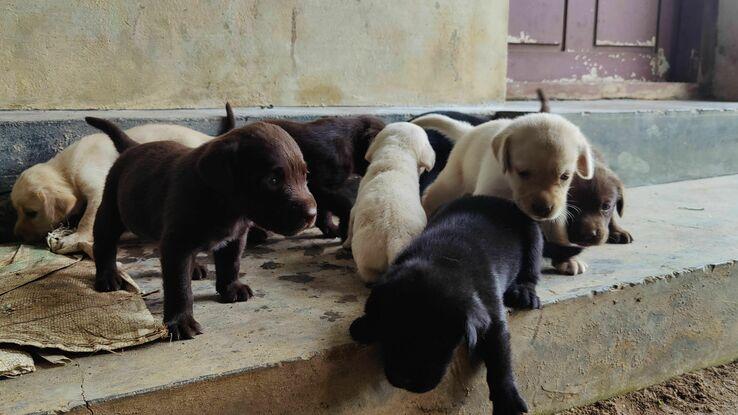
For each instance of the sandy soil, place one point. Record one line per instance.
(709, 391)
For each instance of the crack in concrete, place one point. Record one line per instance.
(82, 390)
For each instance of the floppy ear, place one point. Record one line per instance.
(477, 320)
(373, 146)
(427, 156)
(620, 204)
(586, 160)
(501, 151)
(364, 330)
(57, 204)
(215, 165)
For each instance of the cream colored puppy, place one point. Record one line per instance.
(387, 213)
(48, 193)
(530, 160)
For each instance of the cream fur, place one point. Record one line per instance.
(387, 213)
(488, 159)
(74, 177)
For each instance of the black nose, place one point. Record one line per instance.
(542, 208)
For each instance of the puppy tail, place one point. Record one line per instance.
(120, 139)
(230, 120)
(544, 101)
(451, 128)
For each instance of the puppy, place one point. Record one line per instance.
(192, 200)
(591, 219)
(388, 213)
(442, 145)
(449, 285)
(47, 194)
(334, 149)
(530, 160)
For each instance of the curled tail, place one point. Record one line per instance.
(544, 100)
(120, 139)
(447, 126)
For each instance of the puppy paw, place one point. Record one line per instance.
(571, 267)
(199, 272)
(508, 401)
(234, 292)
(522, 296)
(109, 280)
(183, 326)
(68, 244)
(330, 231)
(620, 237)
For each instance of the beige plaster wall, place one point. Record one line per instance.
(188, 54)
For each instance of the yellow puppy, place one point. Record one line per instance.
(530, 160)
(48, 193)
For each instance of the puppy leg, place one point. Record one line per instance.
(81, 240)
(107, 230)
(176, 268)
(227, 266)
(443, 190)
(256, 236)
(337, 204)
(618, 235)
(494, 348)
(347, 242)
(522, 292)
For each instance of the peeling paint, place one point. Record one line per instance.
(523, 38)
(659, 64)
(638, 43)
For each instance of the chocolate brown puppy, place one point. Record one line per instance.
(201, 199)
(334, 149)
(591, 219)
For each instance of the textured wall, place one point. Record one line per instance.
(182, 54)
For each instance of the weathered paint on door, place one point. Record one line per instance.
(591, 40)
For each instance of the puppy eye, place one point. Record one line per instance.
(30, 214)
(606, 206)
(564, 177)
(274, 181)
(524, 174)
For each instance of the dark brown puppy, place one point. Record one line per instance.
(193, 200)
(334, 149)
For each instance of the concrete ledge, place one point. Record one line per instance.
(647, 311)
(646, 142)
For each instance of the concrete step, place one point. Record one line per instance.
(645, 312)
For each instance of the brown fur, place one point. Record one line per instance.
(334, 149)
(193, 200)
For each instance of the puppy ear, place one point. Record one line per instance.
(63, 205)
(620, 204)
(373, 146)
(427, 156)
(501, 151)
(586, 160)
(215, 165)
(364, 330)
(477, 320)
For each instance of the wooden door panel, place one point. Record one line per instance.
(627, 23)
(603, 40)
(536, 22)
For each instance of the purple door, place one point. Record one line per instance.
(570, 41)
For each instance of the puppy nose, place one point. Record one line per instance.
(542, 208)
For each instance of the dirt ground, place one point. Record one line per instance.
(708, 391)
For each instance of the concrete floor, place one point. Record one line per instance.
(644, 312)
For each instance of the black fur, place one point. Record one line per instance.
(449, 285)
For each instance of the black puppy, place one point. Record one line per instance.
(442, 145)
(450, 284)
(193, 200)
